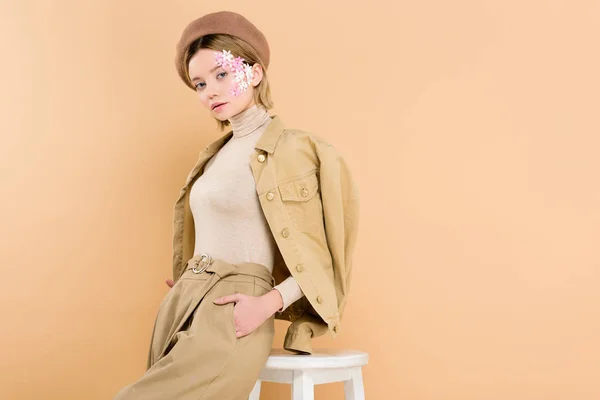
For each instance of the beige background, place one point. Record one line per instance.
(472, 130)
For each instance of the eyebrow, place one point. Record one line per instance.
(211, 71)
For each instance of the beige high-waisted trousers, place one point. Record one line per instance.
(194, 353)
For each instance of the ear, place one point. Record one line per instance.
(257, 74)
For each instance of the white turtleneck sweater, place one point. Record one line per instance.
(233, 226)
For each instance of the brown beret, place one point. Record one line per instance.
(220, 22)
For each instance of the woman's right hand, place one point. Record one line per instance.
(170, 283)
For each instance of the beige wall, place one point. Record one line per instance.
(472, 129)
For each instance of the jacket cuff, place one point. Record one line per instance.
(298, 340)
(300, 333)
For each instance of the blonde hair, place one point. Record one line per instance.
(237, 47)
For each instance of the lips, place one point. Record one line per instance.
(216, 105)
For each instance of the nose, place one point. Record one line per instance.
(212, 92)
(210, 96)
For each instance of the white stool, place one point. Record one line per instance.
(305, 371)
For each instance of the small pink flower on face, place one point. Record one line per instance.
(224, 57)
(238, 63)
(242, 71)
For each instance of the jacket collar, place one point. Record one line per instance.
(267, 142)
(269, 138)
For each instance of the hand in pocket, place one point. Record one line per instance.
(251, 311)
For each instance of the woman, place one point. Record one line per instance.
(264, 228)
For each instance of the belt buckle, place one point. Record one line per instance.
(206, 260)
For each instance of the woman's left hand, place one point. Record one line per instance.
(250, 311)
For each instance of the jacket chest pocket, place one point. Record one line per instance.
(302, 201)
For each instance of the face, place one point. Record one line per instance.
(217, 84)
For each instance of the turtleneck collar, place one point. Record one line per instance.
(248, 121)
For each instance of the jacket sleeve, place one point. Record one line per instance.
(340, 199)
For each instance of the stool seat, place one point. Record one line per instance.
(305, 371)
(322, 358)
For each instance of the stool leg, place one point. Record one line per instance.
(354, 388)
(255, 394)
(303, 387)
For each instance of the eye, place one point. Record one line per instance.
(197, 85)
(222, 73)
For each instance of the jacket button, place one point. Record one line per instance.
(299, 268)
(285, 232)
(319, 299)
(261, 158)
(335, 328)
(304, 192)
(270, 196)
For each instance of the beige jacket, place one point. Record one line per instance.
(311, 205)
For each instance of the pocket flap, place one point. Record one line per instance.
(302, 189)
